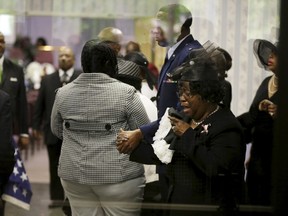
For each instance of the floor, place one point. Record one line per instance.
(36, 166)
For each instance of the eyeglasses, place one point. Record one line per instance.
(183, 91)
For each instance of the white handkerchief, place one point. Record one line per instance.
(13, 79)
(160, 146)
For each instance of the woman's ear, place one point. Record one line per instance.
(116, 47)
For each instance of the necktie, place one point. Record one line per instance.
(65, 78)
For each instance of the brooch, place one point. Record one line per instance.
(205, 128)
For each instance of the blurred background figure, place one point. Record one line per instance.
(22, 51)
(149, 82)
(12, 82)
(258, 123)
(113, 36)
(132, 74)
(223, 61)
(132, 46)
(43, 52)
(40, 41)
(41, 118)
(35, 72)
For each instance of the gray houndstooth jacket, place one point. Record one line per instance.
(87, 114)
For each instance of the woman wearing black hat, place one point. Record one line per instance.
(258, 124)
(207, 158)
(207, 165)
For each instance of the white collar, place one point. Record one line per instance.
(69, 72)
(174, 47)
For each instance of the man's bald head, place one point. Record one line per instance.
(112, 36)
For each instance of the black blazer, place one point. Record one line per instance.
(6, 147)
(208, 165)
(13, 83)
(44, 104)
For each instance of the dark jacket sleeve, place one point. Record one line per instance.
(22, 113)
(39, 107)
(149, 130)
(6, 147)
(248, 119)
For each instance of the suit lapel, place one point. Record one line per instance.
(57, 80)
(5, 71)
(164, 69)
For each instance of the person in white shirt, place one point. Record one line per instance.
(131, 74)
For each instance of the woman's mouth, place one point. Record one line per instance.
(270, 63)
(186, 109)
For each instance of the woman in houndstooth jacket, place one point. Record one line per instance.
(87, 114)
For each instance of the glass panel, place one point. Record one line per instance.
(232, 25)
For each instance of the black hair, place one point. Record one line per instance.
(135, 45)
(199, 69)
(228, 58)
(98, 57)
(41, 41)
(203, 79)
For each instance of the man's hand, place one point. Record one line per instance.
(127, 141)
(23, 142)
(269, 107)
(36, 134)
(272, 110)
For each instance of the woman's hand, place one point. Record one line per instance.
(269, 107)
(127, 141)
(272, 110)
(178, 126)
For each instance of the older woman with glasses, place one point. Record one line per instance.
(207, 156)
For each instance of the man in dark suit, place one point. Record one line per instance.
(6, 148)
(12, 82)
(172, 30)
(43, 108)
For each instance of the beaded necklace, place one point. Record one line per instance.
(200, 122)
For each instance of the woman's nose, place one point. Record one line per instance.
(182, 99)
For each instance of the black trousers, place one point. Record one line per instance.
(56, 189)
(152, 195)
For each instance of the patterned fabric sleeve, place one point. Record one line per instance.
(136, 113)
(56, 119)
